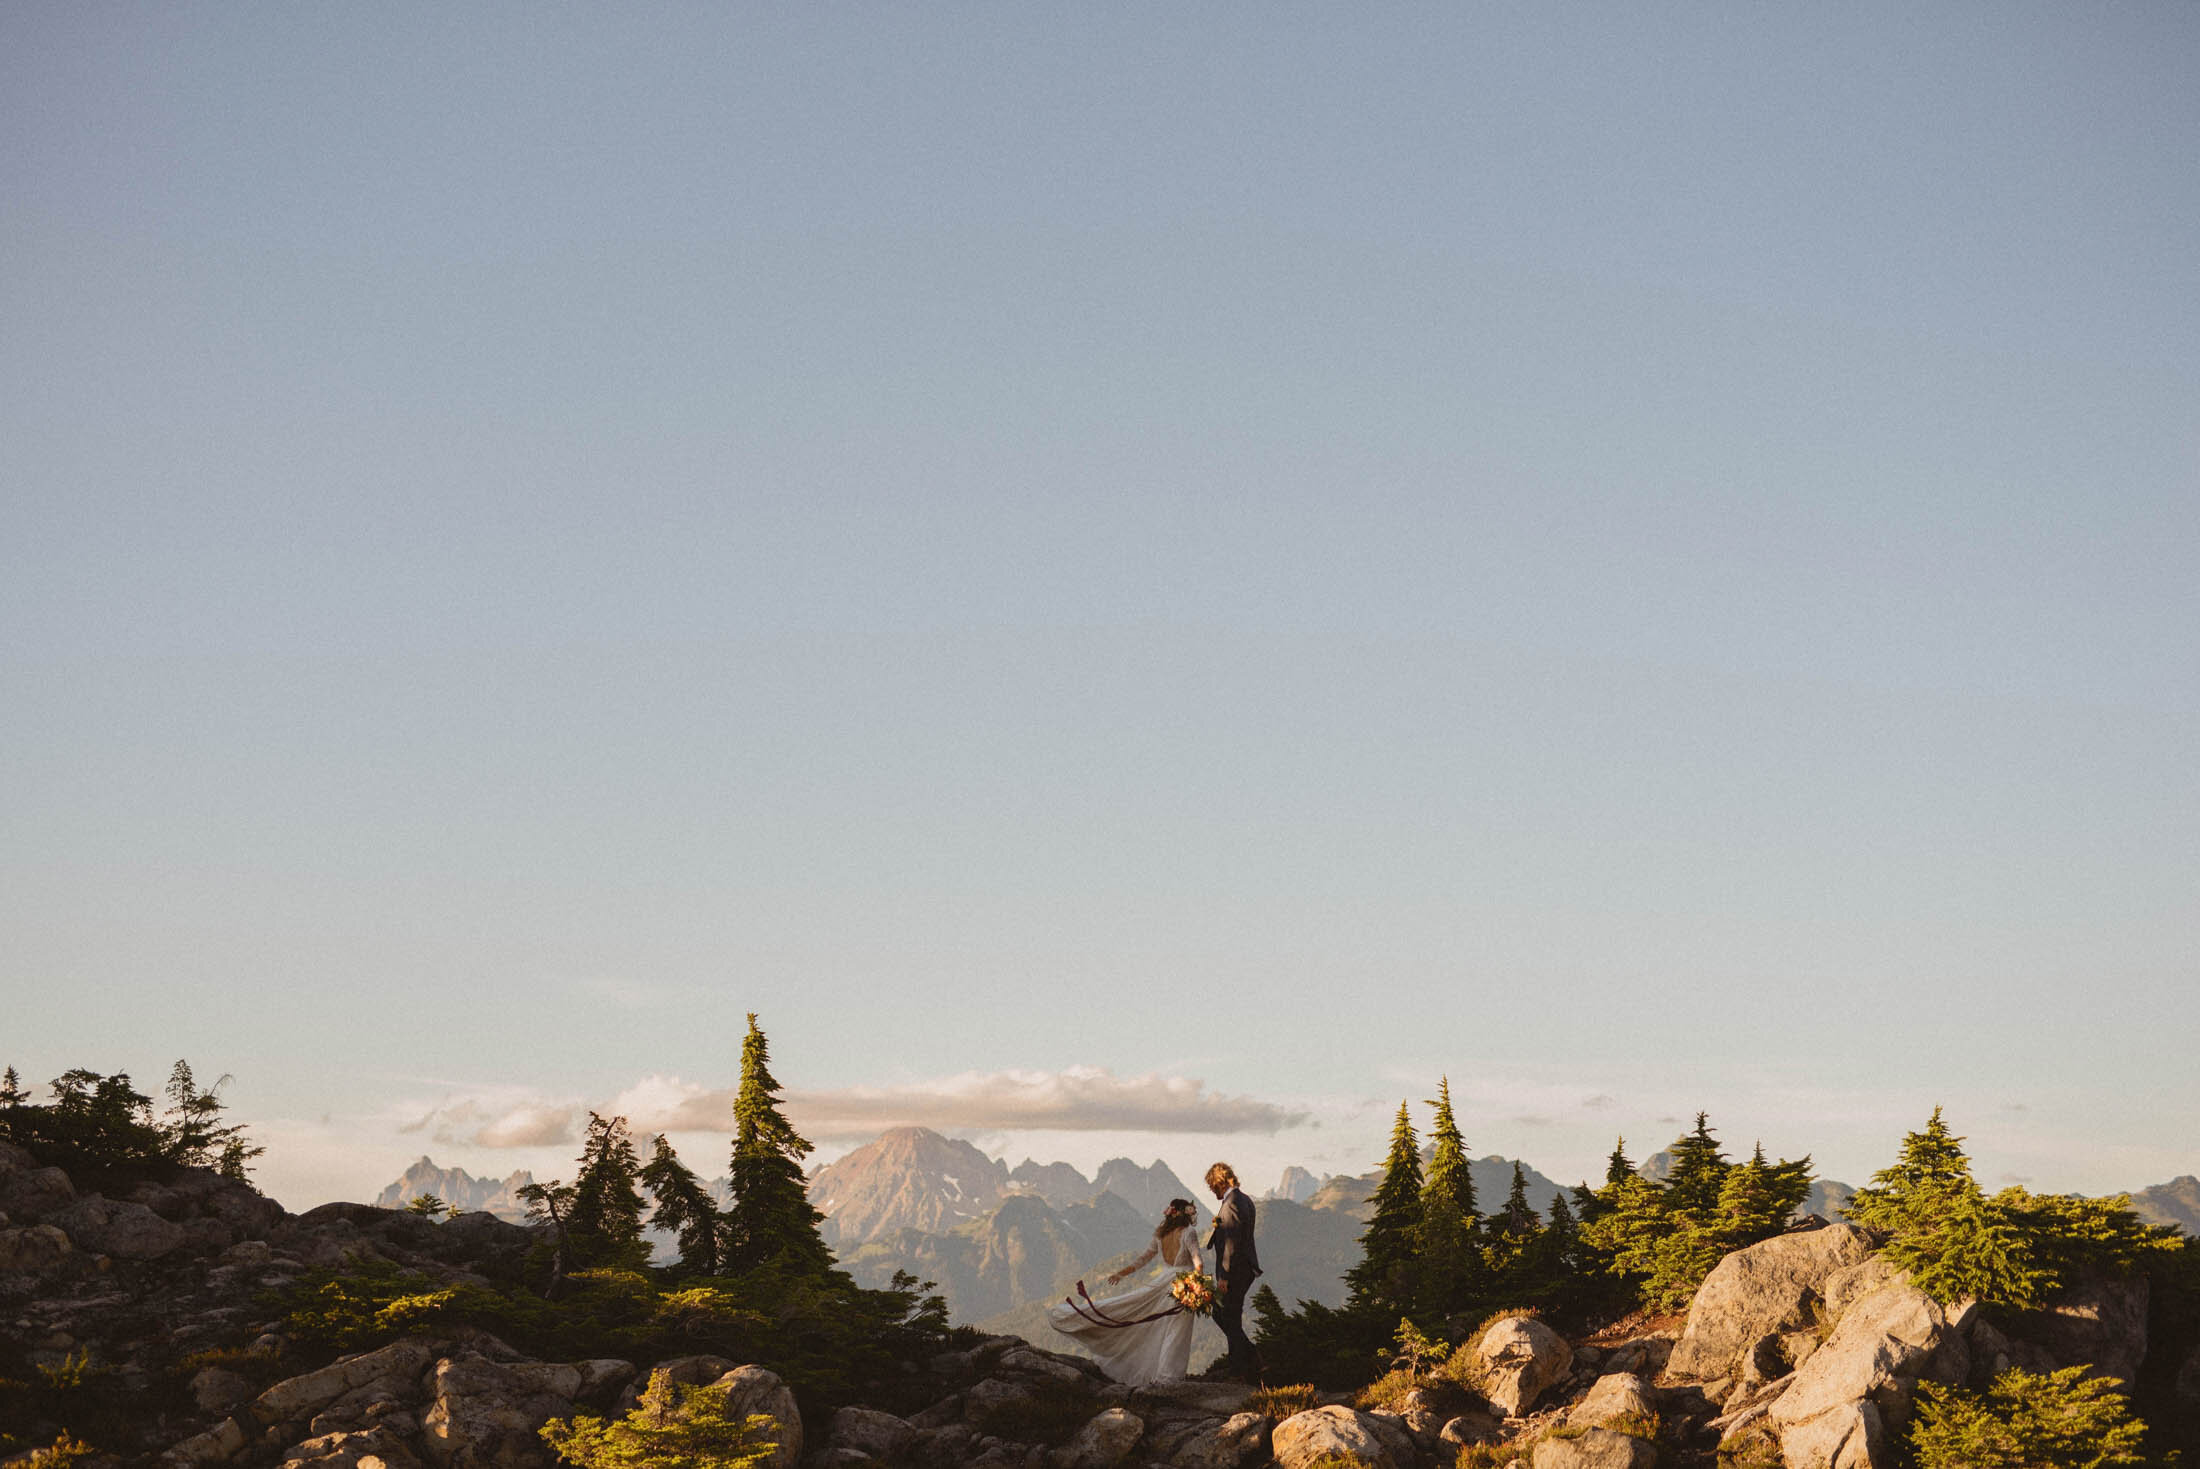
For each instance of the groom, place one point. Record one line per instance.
(1236, 1263)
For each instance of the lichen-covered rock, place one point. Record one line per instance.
(1465, 1430)
(1520, 1358)
(296, 1399)
(30, 1192)
(1336, 1434)
(1762, 1290)
(217, 1445)
(2100, 1322)
(1595, 1448)
(373, 1448)
(1614, 1396)
(874, 1435)
(1234, 1443)
(754, 1389)
(1105, 1441)
(1882, 1345)
(486, 1416)
(1847, 1436)
(35, 1249)
(218, 1390)
(114, 1227)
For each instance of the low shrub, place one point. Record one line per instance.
(2064, 1420)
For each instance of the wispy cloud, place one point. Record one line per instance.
(498, 1122)
(1079, 1099)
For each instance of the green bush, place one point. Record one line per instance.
(673, 1427)
(2065, 1420)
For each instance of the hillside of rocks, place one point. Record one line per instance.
(1804, 1351)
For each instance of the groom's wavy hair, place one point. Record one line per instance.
(1179, 1213)
(1222, 1173)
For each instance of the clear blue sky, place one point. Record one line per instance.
(1643, 559)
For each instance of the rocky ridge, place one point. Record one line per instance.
(1805, 1351)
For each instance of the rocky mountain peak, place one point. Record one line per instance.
(909, 1178)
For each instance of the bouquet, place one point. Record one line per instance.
(1195, 1292)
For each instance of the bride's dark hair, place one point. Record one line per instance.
(1179, 1213)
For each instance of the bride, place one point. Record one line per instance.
(1139, 1335)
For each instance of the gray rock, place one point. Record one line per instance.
(218, 1445)
(35, 1249)
(1105, 1441)
(1468, 1429)
(486, 1416)
(2100, 1322)
(112, 1227)
(1520, 1358)
(1612, 1396)
(296, 1399)
(1236, 1442)
(31, 1192)
(218, 1390)
(1598, 1448)
(1767, 1288)
(1883, 1344)
(374, 1448)
(1336, 1433)
(755, 1389)
(1847, 1286)
(867, 1431)
(1847, 1436)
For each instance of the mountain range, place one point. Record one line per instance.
(1002, 1243)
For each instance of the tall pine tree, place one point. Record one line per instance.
(1382, 1281)
(1450, 1262)
(770, 1218)
(684, 1208)
(605, 1221)
(1699, 1172)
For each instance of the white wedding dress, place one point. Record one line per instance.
(1138, 1332)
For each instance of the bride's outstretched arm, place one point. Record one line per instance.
(1136, 1265)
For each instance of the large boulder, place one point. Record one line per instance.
(1879, 1349)
(755, 1389)
(1769, 1287)
(1335, 1434)
(870, 1433)
(2100, 1322)
(1596, 1448)
(1105, 1441)
(1520, 1357)
(114, 1227)
(486, 1416)
(373, 1448)
(37, 1249)
(1614, 1397)
(1234, 1443)
(297, 1399)
(1849, 1436)
(28, 1191)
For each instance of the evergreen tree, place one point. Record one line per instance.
(1616, 1168)
(12, 1098)
(1519, 1217)
(1445, 1239)
(1699, 1171)
(194, 1134)
(684, 1208)
(1929, 1177)
(770, 1217)
(552, 1204)
(1383, 1278)
(605, 1221)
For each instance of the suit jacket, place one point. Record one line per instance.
(1231, 1238)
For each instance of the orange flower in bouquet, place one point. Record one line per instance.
(1195, 1292)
